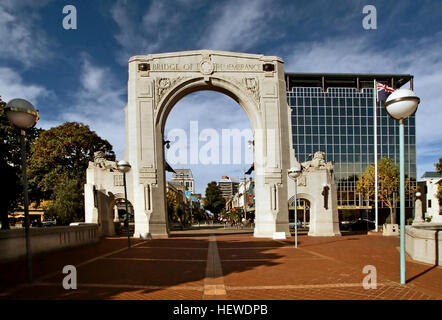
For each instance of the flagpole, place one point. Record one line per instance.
(375, 101)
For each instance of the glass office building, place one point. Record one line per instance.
(334, 113)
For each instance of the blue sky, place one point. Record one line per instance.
(81, 75)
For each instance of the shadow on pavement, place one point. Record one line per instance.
(151, 267)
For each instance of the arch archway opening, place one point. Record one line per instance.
(302, 212)
(119, 214)
(211, 139)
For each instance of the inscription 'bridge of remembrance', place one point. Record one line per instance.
(217, 67)
(156, 83)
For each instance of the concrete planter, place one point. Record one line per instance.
(424, 242)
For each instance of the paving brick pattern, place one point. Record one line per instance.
(224, 264)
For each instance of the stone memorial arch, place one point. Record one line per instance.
(158, 81)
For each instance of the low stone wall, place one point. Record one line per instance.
(13, 244)
(424, 243)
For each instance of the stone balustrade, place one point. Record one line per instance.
(13, 245)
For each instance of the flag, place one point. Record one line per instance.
(383, 91)
(250, 169)
(167, 167)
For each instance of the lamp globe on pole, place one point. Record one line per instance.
(124, 167)
(294, 172)
(23, 115)
(401, 104)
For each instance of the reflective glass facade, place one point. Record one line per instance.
(340, 122)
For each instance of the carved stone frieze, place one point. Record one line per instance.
(164, 85)
(101, 162)
(249, 85)
(317, 163)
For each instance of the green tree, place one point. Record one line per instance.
(68, 199)
(199, 213)
(214, 201)
(439, 166)
(65, 149)
(388, 183)
(11, 189)
(60, 157)
(235, 215)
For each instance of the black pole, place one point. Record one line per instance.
(25, 204)
(127, 211)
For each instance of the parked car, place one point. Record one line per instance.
(49, 223)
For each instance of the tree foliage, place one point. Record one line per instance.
(214, 201)
(60, 157)
(65, 150)
(199, 214)
(175, 208)
(235, 215)
(183, 212)
(388, 184)
(439, 166)
(67, 205)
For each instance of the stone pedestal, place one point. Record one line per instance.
(390, 229)
(418, 212)
(316, 184)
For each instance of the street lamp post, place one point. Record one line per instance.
(294, 174)
(124, 167)
(401, 104)
(23, 115)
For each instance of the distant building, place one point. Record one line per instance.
(244, 199)
(428, 187)
(197, 196)
(177, 192)
(36, 213)
(184, 177)
(228, 187)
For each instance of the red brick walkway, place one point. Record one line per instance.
(223, 265)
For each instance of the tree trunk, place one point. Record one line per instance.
(392, 216)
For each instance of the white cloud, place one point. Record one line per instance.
(146, 34)
(20, 38)
(238, 25)
(422, 58)
(13, 86)
(99, 103)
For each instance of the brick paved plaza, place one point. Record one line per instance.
(225, 264)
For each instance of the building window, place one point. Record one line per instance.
(118, 180)
(429, 203)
